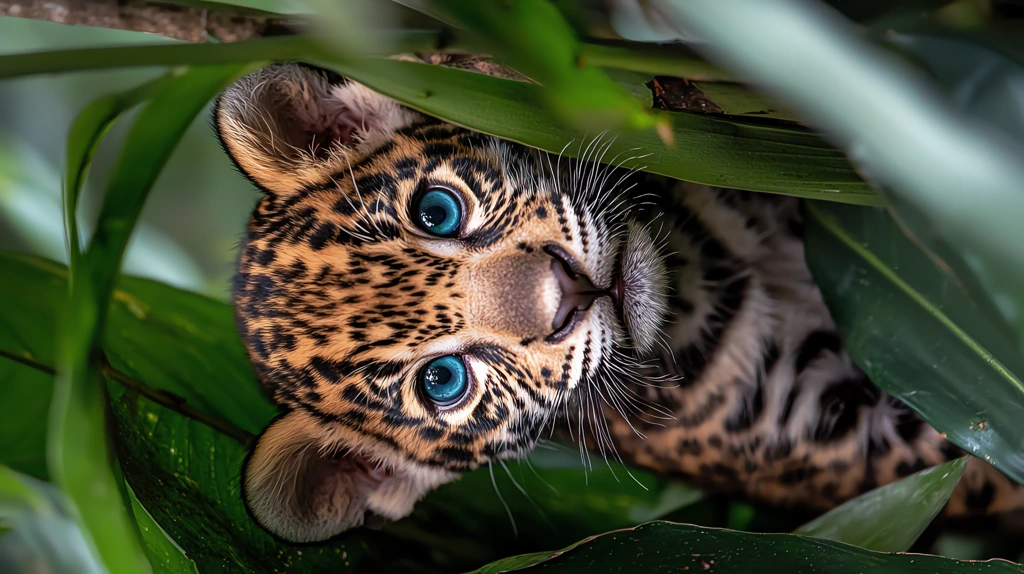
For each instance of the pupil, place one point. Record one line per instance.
(438, 376)
(433, 216)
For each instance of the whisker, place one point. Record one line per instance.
(508, 511)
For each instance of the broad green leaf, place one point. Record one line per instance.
(23, 429)
(714, 151)
(890, 518)
(181, 447)
(148, 54)
(165, 556)
(668, 547)
(175, 358)
(548, 503)
(917, 334)
(78, 447)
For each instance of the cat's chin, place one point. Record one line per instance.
(642, 285)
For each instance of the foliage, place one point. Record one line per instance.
(152, 403)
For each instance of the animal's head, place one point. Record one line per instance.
(420, 299)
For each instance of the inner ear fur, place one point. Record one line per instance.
(288, 125)
(298, 489)
(300, 484)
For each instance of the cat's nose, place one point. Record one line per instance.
(578, 293)
(516, 294)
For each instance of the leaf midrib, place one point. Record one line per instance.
(165, 399)
(878, 265)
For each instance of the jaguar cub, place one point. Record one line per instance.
(421, 299)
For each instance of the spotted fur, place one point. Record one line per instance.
(341, 299)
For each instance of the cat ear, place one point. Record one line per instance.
(288, 125)
(300, 484)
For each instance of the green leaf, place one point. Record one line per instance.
(890, 518)
(714, 151)
(862, 10)
(738, 100)
(181, 447)
(514, 563)
(959, 170)
(87, 131)
(16, 496)
(708, 150)
(549, 501)
(41, 535)
(654, 60)
(534, 38)
(23, 429)
(148, 54)
(917, 334)
(984, 84)
(78, 451)
(165, 556)
(668, 547)
(175, 357)
(44, 533)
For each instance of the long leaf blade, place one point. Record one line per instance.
(87, 131)
(79, 452)
(667, 547)
(890, 518)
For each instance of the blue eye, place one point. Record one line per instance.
(438, 212)
(444, 380)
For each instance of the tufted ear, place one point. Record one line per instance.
(303, 485)
(287, 125)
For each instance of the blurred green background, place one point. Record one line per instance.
(187, 237)
(196, 213)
